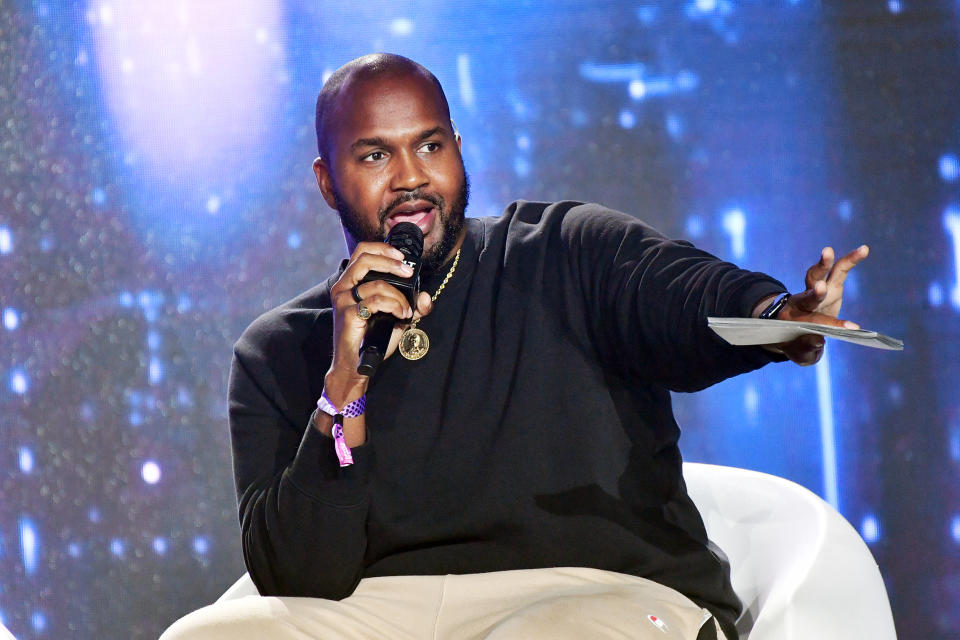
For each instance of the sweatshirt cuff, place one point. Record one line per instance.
(757, 356)
(317, 471)
(756, 292)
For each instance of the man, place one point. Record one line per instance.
(531, 451)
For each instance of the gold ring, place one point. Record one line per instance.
(362, 311)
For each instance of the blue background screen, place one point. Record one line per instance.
(156, 195)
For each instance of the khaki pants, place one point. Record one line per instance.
(554, 604)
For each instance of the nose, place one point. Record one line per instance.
(408, 172)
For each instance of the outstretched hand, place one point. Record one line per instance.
(820, 303)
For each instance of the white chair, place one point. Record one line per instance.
(242, 587)
(801, 570)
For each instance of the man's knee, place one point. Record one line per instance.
(614, 612)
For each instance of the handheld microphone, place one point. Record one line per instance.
(408, 239)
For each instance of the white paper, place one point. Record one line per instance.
(751, 331)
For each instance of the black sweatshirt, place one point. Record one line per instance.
(537, 431)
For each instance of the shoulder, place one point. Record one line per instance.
(285, 327)
(567, 228)
(568, 221)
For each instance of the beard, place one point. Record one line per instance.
(451, 218)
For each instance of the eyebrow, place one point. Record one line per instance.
(382, 142)
(429, 133)
(368, 142)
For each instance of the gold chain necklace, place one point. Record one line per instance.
(414, 342)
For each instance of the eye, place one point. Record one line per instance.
(429, 147)
(375, 156)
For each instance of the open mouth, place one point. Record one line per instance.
(420, 213)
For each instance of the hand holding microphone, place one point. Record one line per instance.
(373, 275)
(407, 238)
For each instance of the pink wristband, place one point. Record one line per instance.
(344, 455)
(351, 410)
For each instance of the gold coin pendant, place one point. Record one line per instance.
(414, 344)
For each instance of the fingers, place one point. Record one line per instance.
(372, 291)
(378, 248)
(808, 349)
(349, 328)
(367, 262)
(805, 303)
(832, 270)
(830, 321)
(805, 350)
(821, 269)
(816, 317)
(395, 305)
(843, 266)
(825, 281)
(371, 256)
(820, 303)
(379, 294)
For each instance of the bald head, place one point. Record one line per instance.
(361, 70)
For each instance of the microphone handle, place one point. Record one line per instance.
(380, 325)
(375, 342)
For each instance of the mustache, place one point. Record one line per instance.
(403, 198)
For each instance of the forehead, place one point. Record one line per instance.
(391, 107)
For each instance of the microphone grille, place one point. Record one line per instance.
(407, 238)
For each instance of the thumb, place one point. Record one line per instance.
(424, 305)
(806, 302)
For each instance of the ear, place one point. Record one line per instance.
(324, 181)
(456, 134)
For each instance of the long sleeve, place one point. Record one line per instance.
(536, 433)
(302, 517)
(649, 298)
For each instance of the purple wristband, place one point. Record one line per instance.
(351, 410)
